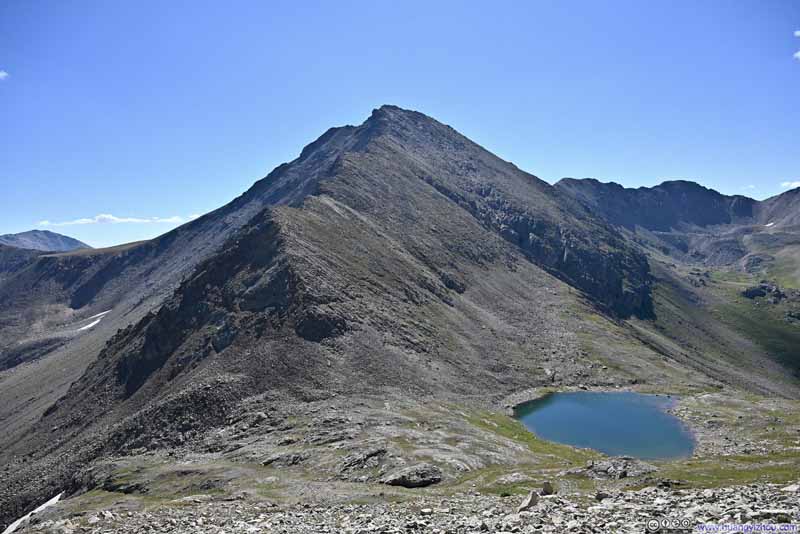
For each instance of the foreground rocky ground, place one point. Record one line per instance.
(387, 465)
(629, 511)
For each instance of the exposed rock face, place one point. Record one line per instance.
(415, 476)
(362, 460)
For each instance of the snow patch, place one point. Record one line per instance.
(88, 326)
(13, 526)
(97, 318)
(768, 225)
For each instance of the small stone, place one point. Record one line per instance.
(530, 501)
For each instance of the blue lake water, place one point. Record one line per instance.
(617, 424)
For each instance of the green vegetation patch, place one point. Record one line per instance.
(734, 470)
(762, 322)
(553, 454)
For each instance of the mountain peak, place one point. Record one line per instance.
(389, 110)
(390, 116)
(43, 240)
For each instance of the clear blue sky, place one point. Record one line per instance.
(153, 109)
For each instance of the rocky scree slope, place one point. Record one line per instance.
(623, 512)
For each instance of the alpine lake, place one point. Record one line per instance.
(614, 423)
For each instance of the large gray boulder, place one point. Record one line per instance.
(415, 476)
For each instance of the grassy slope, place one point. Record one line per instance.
(702, 323)
(762, 322)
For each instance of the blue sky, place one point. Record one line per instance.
(149, 112)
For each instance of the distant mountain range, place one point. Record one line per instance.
(42, 240)
(677, 204)
(397, 258)
(688, 221)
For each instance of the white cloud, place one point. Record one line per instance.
(797, 33)
(749, 187)
(797, 55)
(3, 75)
(791, 185)
(106, 218)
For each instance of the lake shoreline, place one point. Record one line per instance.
(513, 403)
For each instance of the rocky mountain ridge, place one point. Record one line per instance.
(677, 204)
(687, 221)
(668, 206)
